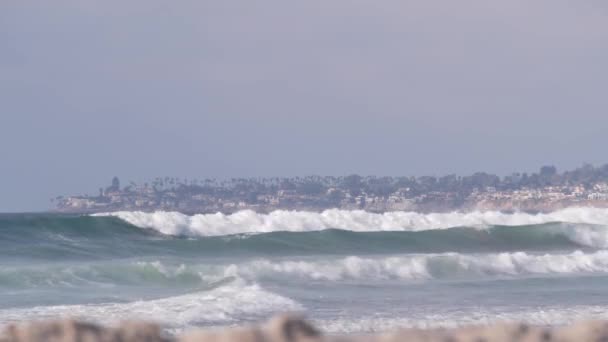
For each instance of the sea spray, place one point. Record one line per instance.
(173, 223)
(208, 275)
(348, 270)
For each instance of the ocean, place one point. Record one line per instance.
(346, 271)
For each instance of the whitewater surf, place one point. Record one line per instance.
(351, 271)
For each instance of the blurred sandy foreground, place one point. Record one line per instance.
(290, 328)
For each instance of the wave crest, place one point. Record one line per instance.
(247, 221)
(406, 267)
(583, 226)
(227, 304)
(428, 266)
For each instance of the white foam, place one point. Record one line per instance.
(227, 304)
(542, 316)
(426, 266)
(247, 221)
(592, 236)
(408, 267)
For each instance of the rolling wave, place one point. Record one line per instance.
(60, 237)
(238, 302)
(228, 304)
(148, 273)
(427, 266)
(247, 221)
(581, 226)
(195, 276)
(206, 270)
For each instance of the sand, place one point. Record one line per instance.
(291, 328)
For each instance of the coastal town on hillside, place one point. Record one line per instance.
(537, 192)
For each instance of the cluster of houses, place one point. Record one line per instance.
(196, 200)
(541, 199)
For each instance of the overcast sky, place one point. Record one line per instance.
(139, 89)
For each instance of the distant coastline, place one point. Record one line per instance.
(544, 191)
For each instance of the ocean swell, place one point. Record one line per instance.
(67, 238)
(173, 223)
(427, 266)
(228, 304)
(208, 275)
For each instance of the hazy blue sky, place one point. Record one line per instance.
(138, 89)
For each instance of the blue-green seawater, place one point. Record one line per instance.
(105, 269)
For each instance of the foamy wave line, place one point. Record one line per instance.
(541, 316)
(352, 268)
(227, 304)
(426, 266)
(247, 221)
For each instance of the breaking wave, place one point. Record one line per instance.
(218, 270)
(65, 238)
(427, 266)
(197, 276)
(493, 230)
(247, 221)
(229, 304)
